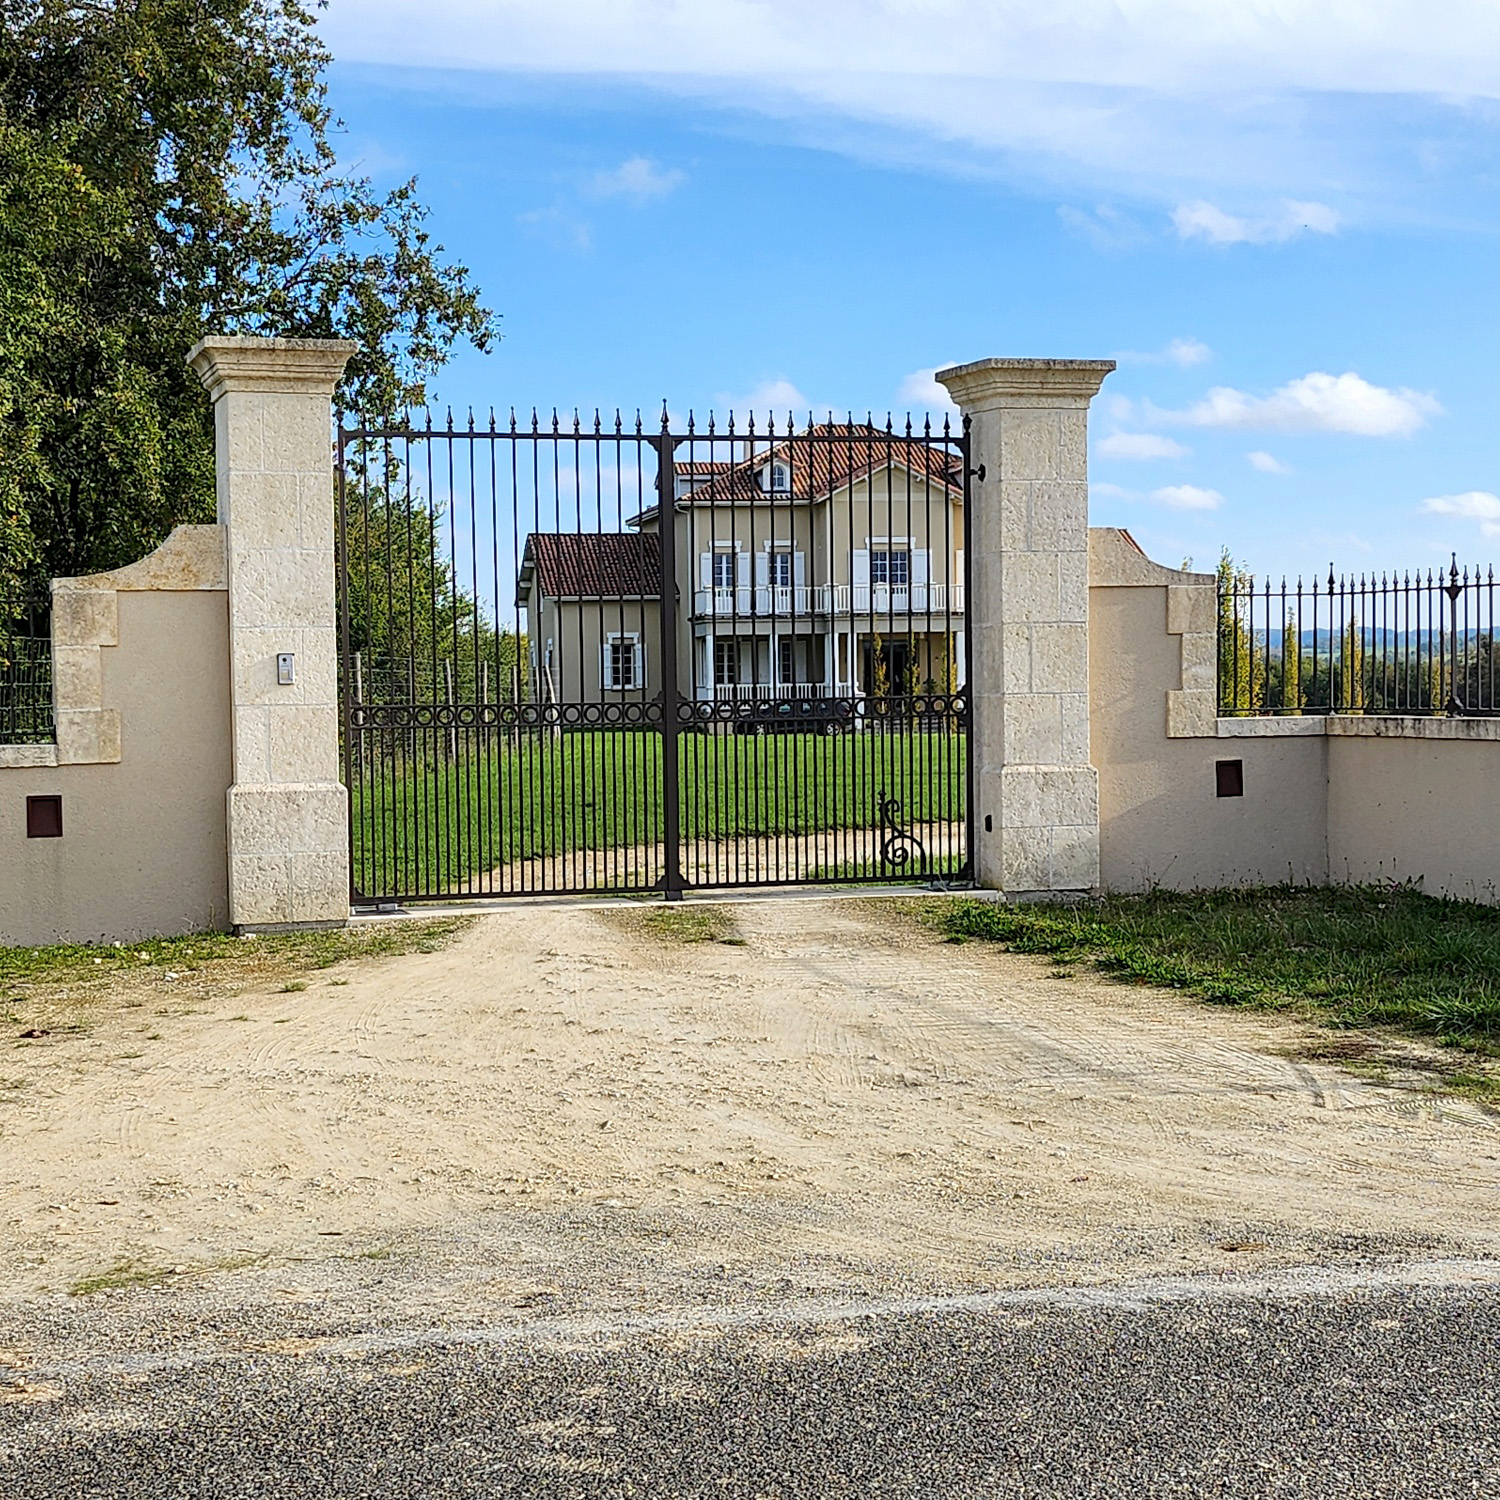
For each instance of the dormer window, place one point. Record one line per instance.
(776, 479)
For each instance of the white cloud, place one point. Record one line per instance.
(639, 179)
(1186, 45)
(1188, 497)
(1183, 352)
(920, 392)
(1104, 227)
(1474, 505)
(1267, 463)
(1316, 402)
(1142, 445)
(771, 398)
(1111, 492)
(559, 228)
(1186, 98)
(1203, 221)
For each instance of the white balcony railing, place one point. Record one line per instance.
(763, 692)
(767, 602)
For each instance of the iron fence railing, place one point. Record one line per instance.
(26, 670)
(1417, 644)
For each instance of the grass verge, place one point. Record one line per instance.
(1353, 958)
(54, 991)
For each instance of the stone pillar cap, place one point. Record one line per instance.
(239, 363)
(1062, 380)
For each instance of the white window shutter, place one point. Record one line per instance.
(639, 649)
(861, 566)
(742, 568)
(799, 569)
(705, 570)
(762, 568)
(606, 675)
(921, 566)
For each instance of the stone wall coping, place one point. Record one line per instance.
(1117, 561)
(86, 620)
(1052, 381)
(302, 366)
(191, 558)
(1367, 726)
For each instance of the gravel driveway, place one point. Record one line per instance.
(821, 1206)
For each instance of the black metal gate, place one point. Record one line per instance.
(611, 658)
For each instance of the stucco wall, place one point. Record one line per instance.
(1415, 807)
(1160, 820)
(143, 850)
(1340, 798)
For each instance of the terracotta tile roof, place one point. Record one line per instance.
(825, 458)
(586, 565)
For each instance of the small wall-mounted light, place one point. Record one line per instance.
(1229, 778)
(44, 817)
(286, 668)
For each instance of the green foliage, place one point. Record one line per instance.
(1241, 667)
(418, 634)
(168, 169)
(1352, 956)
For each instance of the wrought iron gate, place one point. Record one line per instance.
(614, 658)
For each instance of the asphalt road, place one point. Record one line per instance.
(1345, 1386)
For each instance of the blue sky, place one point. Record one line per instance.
(1281, 219)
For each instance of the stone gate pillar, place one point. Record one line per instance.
(288, 813)
(1037, 795)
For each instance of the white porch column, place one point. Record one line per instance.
(1037, 795)
(288, 813)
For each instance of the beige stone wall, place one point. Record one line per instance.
(141, 659)
(1160, 822)
(1341, 799)
(1415, 807)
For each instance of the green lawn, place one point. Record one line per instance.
(1351, 957)
(425, 828)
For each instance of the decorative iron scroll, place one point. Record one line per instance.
(505, 715)
(899, 846)
(934, 710)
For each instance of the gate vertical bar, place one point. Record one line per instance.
(666, 530)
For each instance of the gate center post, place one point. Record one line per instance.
(1036, 812)
(671, 729)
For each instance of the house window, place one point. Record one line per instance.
(726, 663)
(788, 662)
(781, 569)
(781, 479)
(622, 662)
(893, 568)
(723, 569)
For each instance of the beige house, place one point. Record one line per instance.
(825, 565)
(593, 606)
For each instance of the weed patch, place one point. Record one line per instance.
(682, 923)
(123, 1274)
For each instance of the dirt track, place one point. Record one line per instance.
(562, 1099)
